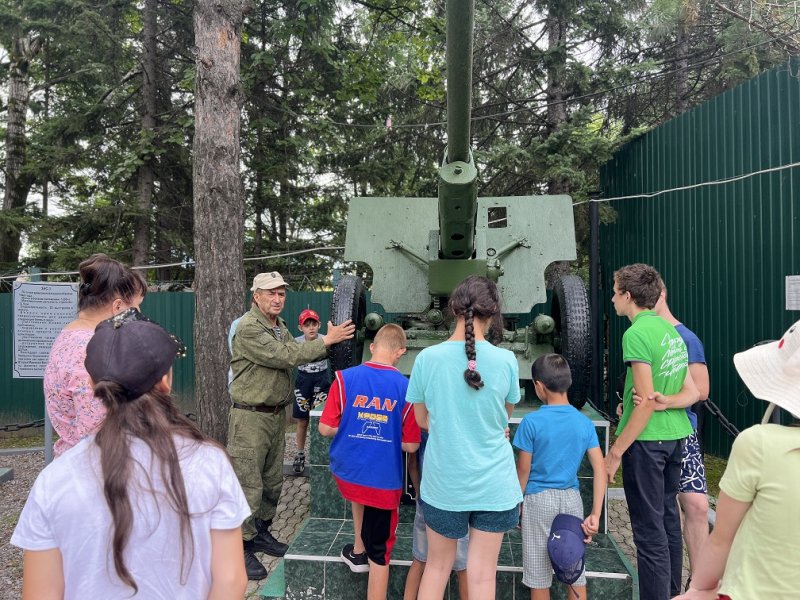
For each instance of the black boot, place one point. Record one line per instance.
(265, 542)
(255, 570)
(262, 526)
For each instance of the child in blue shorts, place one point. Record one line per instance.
(552, 442)
(419, 547)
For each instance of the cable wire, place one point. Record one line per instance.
(691, 186)
(191, 263)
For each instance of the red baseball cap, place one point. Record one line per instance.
(308, 314)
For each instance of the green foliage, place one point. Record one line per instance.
(322, 80)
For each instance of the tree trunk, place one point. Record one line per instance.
(682, 50)
(141, 227)
(556, 110)
(556, 94)
(218, 205)
(18, 184)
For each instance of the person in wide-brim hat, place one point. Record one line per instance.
(756, 539)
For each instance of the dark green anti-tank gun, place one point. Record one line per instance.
(420, 249)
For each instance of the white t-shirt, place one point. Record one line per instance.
(67, 510)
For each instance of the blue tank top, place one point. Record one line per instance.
(367, 449)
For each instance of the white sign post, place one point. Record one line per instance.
(793, 292)
(41, 310)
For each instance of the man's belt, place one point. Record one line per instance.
(260, 408)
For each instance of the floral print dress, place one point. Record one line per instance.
(71, 404)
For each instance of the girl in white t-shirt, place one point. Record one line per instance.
(148, 507)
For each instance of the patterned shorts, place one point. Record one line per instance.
(311, 390)
(538, 513)
(693, 471)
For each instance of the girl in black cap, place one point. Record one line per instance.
(114, 517)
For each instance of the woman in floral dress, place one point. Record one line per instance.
(107, 288)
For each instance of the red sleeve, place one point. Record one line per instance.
(334, 405)
(411, 430)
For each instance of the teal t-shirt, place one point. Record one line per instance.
(469, 463)
(652, 340)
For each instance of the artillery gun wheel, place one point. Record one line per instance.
(349, 302)
(572, 339)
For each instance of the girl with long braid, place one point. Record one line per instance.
(463, 391)
(148, 507)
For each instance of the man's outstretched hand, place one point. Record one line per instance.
(339, 333)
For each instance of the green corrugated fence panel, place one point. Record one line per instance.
(724, 250)
(22, 401)
(175, 312)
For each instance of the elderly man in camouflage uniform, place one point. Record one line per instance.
(264, 353)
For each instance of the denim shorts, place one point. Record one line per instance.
(419, 548)
(455, 524)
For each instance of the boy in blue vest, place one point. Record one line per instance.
(372, 425)
(552, 442)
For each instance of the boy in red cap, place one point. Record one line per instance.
(310, 388)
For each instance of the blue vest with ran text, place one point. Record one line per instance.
(367, 449)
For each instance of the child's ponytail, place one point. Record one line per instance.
(471, 375)
(475, 296)
(116, 465)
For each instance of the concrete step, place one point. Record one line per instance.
(314, 569)
(275, 585)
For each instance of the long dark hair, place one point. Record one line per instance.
(476, 297)
(154, 419)
(104, 279)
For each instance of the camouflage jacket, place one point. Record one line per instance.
(262, 362)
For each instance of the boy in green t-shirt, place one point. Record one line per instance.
(650, 435)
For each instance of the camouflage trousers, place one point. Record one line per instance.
(256, 444)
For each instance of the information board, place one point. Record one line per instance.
(41, 310)
(793, 292)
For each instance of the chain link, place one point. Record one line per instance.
(729, 427)
(18, 426)
(40, 423)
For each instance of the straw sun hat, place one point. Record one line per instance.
(772, 371)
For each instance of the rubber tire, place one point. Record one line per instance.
(349, 302)
(572, 339)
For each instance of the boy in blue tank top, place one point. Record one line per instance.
(372, 425)
(552, 442)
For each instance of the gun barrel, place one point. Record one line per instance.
(458, 177)
(460, 23)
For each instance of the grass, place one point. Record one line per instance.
(17, 441)
(715, 467)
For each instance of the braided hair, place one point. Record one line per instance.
(475, 297)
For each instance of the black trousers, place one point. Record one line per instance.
(651, 476)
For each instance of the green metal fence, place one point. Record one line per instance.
(724, 249)
(22, 401)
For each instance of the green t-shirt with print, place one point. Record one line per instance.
(652, 340)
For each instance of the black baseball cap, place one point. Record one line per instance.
(132, 351)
